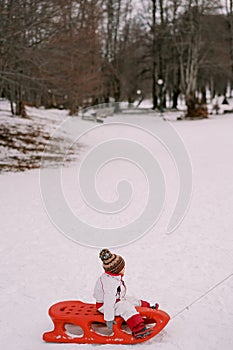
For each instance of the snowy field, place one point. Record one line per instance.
(189, 272)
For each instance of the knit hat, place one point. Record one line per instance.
(111, 262)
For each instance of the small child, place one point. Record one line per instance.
(111, 299)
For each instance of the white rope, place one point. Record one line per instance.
(202, 296)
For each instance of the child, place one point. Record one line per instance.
(111, 299)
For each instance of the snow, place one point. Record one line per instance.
(190, 267)
(23, 140)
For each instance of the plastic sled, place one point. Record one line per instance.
(91, 327)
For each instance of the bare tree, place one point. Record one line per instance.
(76, 52)
(229, 9)
(189, 45)
(116, 26)
(214, 70)
(74, 65)
(23, 26)
(49, 48)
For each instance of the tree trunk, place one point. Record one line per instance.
(154, 66)
(203, 96)
(176, 93)
(164, 99)
(20, 108)
(195, 109)
(231, 32)
(155, 99)
(117, 90)
(12, 107)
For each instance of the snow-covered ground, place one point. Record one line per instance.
(22, 140)
(189, 272)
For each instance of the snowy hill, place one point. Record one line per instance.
(189, 272)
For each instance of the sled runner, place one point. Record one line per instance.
(89, 322)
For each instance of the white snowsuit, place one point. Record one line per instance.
(110, 291)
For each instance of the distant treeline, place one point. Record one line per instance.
(75, 53)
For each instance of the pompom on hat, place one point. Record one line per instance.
(111, 262)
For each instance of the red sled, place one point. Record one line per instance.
(78, 322)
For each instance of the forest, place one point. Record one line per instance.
(76, 53)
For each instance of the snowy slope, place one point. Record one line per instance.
(22, 140)
(40, 266)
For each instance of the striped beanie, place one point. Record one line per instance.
(111, 262)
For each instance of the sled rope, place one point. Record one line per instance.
(202, 296)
